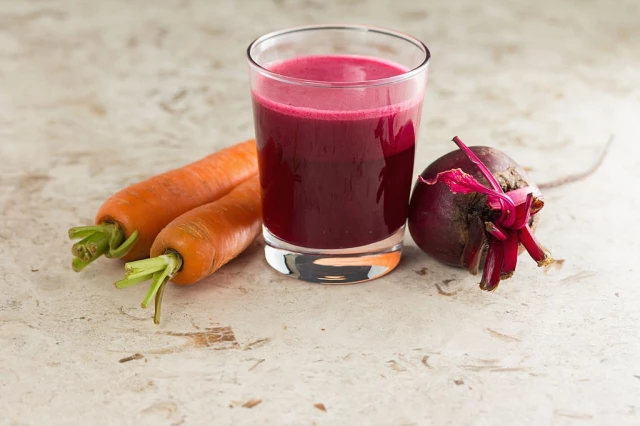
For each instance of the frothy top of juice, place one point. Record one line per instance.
(337, 103)
(336, 68)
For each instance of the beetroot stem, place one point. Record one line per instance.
(472, 253)
(518, 196)
(533, 247)
(510, 260)
(475, 160)
(526, 213)
(496, 231)
(461, 182)
(506, 214)
(493, 264)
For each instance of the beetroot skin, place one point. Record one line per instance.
(463, 227)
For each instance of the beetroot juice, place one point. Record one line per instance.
(336, 168)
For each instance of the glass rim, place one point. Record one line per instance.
(350, 84)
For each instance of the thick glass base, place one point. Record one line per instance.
(343, 266)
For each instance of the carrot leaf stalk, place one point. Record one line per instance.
(157, 269)
(104, 239)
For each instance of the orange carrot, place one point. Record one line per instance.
(199, 242)
(129, 221)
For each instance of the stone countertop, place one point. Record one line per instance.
(97, 95)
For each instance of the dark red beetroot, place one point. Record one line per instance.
(473, 204)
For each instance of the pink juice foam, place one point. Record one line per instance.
(336, 164)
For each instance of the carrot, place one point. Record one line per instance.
(199, 242)
(129, 221)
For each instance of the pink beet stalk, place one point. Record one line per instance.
(507, 215)
(496, 231)
(472, 253)
(510, 260)
(523, 219)
(463, 183)
(492, 266)
(475, 160)
(533, 247)
(518, 196)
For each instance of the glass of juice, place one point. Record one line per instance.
(336, 112)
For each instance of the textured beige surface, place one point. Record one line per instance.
(95, 95)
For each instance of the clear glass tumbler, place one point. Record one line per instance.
(336, 112)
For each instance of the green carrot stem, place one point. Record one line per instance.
(120, 249)
(80, 234)
(105, 239)
(159, 270)
(91, 247)
(78, 264)
(115, 239)
(78, 249)
(141, 270)
(152, 264)
(129, 281)
(148, 274)
(83, 231)
(158, 303)
(160, 278)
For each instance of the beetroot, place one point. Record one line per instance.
(473, 205)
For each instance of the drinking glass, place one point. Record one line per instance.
(336, 112)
